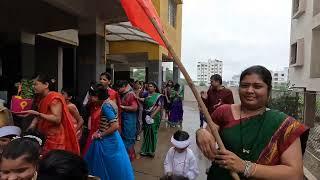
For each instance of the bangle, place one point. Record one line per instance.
(247, 168)
(254, 170)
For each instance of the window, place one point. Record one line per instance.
(297, 53)
(275, 74)
(282, 75)
(293, 58)
(172, 12)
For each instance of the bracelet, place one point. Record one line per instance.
(254, 170)
(247, 168)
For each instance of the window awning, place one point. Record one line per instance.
(124, 31)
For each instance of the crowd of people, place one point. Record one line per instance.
(102, 131)
(262, 143)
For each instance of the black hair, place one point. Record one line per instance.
(262, 72)
(100, 91)
(155, 85)
(69, 91)
(27, 147)
(138, 82)
(131, 80)
(170, 81)
(107, 75)
(62, 165)
(181, 135)
(176, 87)
(173, 177)
(216, 77)
(36, 133)
(121, 83)
(44, 78)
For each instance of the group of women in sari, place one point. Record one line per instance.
(173, 103)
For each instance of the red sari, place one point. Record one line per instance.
(95, 115)
(58, 136)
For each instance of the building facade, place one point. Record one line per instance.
(128, 47)
(304, 69)
(280, 78)
(67, 41)
(206, 69)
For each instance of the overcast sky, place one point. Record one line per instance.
(241, 33)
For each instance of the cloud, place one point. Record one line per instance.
(241, 33)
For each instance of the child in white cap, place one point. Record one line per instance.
(180, 159)
(7, 133)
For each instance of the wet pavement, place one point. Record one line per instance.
(152, 169)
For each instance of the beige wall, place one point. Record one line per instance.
(302, 28)
(174, 34)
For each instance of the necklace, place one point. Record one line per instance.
(247, 151)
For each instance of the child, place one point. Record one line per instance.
(20, 158)
(7, 133)
(180, 159)
(202, 118)
(78, 121)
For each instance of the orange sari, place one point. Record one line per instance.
(58, 136)
(114, 96)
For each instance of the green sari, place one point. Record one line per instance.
(150, 131)
(261, 139)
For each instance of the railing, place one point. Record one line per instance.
(294, 103)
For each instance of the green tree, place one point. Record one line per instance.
(169, 74)
(139, 74)
(202, 83)
(287, 101)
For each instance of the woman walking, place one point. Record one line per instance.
(107, 157)
(176, 110)
(53, 118)
(153, 104)
(262, 143)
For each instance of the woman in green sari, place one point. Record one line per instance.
(151, 124)
(262, 143)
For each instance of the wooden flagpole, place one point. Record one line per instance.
(176, 59)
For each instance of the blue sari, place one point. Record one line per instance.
(107, 158)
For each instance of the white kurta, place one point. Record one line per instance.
(184, 164)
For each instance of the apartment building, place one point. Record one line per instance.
(206, 69)
(304, 71)
(305, 44)
(280, 77)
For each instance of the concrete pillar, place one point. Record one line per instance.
(60, 68)
(154, 72)
(90, 53)
(176, 73)
(122, 72)
(27, 54)
(110, 70)
(310, 108)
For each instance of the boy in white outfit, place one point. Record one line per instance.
(180, 159)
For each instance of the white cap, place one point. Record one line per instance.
(180, 144)
(10, 130)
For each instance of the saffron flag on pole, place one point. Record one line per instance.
(139, 13)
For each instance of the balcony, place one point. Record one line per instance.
(298, 8)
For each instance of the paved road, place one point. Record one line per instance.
(152, 169)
